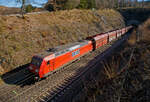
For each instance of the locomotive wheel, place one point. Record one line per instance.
(37, 79)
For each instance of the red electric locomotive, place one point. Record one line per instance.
(50, 60)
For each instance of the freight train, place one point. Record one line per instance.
(50, 60)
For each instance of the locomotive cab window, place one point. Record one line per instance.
(36, 61)
(48, 63)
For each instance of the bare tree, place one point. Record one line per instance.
(136, 3)
(22, 7)
(111, 2)
(142, 3)
(128, 3)
(118, 3)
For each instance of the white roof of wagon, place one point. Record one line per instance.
(100, 36)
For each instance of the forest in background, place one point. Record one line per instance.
(53, 5)
(88, 4)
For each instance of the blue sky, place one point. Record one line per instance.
(12, 3)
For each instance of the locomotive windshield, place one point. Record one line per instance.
(36, 61)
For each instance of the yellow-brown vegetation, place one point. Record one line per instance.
(8, 10)
(21, 38)
(132, 39)
(110, 69)
(145, 30)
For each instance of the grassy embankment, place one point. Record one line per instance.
(6, 10)
(22, 38)
(132, 85)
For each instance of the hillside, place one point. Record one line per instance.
(22, 38)
(12, 10)
(7, 10)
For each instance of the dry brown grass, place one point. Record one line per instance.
(132, 40)
(145, 28)
(111, 68)
(22, 38)
(133, 84)
(6, 10)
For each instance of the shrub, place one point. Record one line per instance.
(70, 4)
(87, 4)
(145, 30)
(29, 8)
(49, 7)
(83, 4)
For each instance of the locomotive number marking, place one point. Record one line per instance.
(75, 53)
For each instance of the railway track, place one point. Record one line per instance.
(66, 94)
(9, 77)
(50, 89)
(49, 93)
(9, 90)
(28, 89)
(19, 75)
(16, 90)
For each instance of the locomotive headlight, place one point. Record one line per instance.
(36, 70)
(30, 68)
